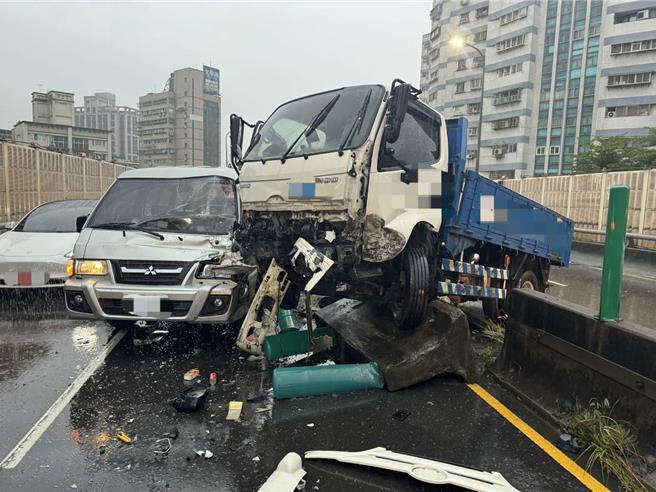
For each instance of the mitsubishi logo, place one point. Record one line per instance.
(150, 271)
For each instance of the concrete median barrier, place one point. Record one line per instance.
(558, 353)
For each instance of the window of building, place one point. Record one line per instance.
(513, 16)
(624, 111)
(480, 36)
(507, 97)
(629, 79)
(474, 108)
(477, 62)
(634, 16)
(464, 18)
(460, 87)
(539, 150)
(435, 33)
(418, 143)
(482, 12)
(510, 43)
(475, 84)
(432, 96)
(509, 69)
(504, 148)
(554, 150)
(459, 110)
(634, 47)
(503, 123)
(472, 131)
(462, 65)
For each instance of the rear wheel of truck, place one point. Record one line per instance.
(412, 290)
(493, 308)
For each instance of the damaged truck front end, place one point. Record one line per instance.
(323, 168)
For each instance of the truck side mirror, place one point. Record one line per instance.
(236, 140)
(80, 221)
(396, 109)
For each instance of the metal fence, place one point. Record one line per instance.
(31, 176)
(584, 198)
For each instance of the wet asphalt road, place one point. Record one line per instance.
(131, 392)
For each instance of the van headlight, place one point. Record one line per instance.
(90, 267)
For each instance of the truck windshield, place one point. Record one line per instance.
(203, 205)
(279, 136)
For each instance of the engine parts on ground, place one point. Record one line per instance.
(425, 470)
(292, 382)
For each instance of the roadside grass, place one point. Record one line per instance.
(610, 443)
(494, 331)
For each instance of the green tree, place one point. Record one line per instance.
(618, 154)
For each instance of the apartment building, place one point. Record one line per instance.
(182, 125)
(538, 78)
(55, 107)
(101, 112)
(626, 91)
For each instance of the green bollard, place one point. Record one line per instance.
(611, 277)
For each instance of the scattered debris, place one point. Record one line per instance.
(163, 448)
(205, 453)
(103, 437)
(287, 475)
(301, 485)
(191, 374)
(256, 459)
(249, 441)
(130, 421)
(421, 469)
(262, 410)
(213, 378)
(172, 433)
(124, 438)
(234, 410)
(292, 382)
(190, 400)
(568, 443)
(400, 415)
(310, 425)
(256, 399)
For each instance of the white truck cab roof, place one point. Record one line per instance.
(178, 172)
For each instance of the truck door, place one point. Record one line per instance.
(405, 182)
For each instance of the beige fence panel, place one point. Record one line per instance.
(31, 176)
(584, 198)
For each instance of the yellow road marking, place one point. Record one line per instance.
(556, 454)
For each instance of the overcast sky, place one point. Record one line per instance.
(267, 52)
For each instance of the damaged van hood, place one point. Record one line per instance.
(103, 244)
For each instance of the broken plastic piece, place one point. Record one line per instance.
(568, 443)
(123, 437)
(191, 374)
(172, 433)
(234, 410)
(205, 453)
(288, 474)
(315, 263)
(422, 469)
(190, 400)
(292, 382)
(163, 448)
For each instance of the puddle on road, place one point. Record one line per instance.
(15, 357)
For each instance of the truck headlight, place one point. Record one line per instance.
(90, 267)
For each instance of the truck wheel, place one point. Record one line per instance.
(412, 289)
(529, 280)
(492, 308)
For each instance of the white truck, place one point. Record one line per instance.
(375, 180)
(159, 246)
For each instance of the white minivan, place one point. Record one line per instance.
(159, 246)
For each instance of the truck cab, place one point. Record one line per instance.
(356, 172)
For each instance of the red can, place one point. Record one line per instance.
(213, 378)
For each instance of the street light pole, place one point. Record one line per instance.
(480, 109)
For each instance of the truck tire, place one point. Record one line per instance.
(412, 290)
(529, 280)
(493, 308)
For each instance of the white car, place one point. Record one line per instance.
(33, 253)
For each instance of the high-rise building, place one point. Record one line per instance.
(182, 125)
(626, 90)
(100, 112)
(527, 77)
(54, 107)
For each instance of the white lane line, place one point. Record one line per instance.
(556, 283)
(24, 445)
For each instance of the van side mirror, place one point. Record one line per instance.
(80, 221)
(236, 140)
(396, 109)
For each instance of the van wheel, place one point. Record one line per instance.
(412, 289)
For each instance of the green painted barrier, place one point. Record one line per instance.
(287, 319)
(290, 342)
(292, 382)
(611, 277)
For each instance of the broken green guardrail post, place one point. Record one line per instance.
(611, 277)
(287, 320)
(293, 382)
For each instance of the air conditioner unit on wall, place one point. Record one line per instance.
(498, 152)
(471, 155)
(610, 114)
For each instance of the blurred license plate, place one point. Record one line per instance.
(146, 305)
(26, 279)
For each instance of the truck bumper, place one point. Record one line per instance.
(219, 303)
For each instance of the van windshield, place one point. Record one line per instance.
(345, 125)
(204, 205)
